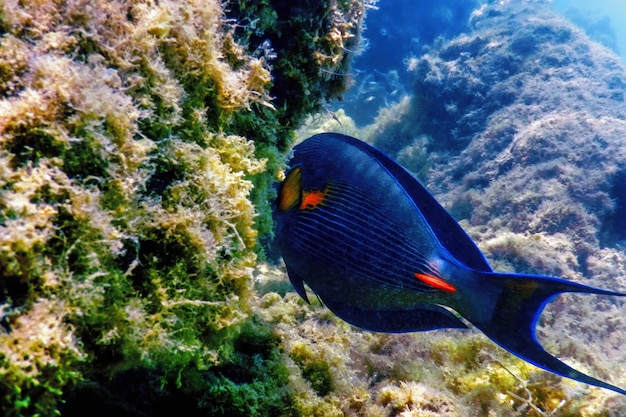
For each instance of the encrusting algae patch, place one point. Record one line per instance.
(135, 139)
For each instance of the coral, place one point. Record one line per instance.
(139, 143)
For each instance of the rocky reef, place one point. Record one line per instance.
(138, 144)
(527, 124)
(518, 127)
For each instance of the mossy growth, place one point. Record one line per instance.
(311, 43)
(135, 138)
(314, 368)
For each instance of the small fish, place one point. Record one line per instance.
(383, 255)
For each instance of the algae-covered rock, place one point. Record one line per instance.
(395, 31)
(525, 127)
(135, 139)
(522, 121)
(314, 40)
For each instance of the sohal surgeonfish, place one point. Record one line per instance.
(383, 255)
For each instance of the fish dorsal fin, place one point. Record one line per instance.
(447, 231)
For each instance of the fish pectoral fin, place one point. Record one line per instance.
(290, 192)
(517, 309)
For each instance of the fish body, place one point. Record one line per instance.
(382, 254)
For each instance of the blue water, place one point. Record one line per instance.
(609, 17)
(400, 29)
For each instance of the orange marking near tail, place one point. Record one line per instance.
(435, 282)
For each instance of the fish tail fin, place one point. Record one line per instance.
(518, 306)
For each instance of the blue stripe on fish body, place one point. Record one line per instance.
(382, 254)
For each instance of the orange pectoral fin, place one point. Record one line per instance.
(290, 190)
(435, 282)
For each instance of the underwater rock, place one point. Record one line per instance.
(597, 25)
(311, 44)
(497, 102)
(395, 31)
(525, 121)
